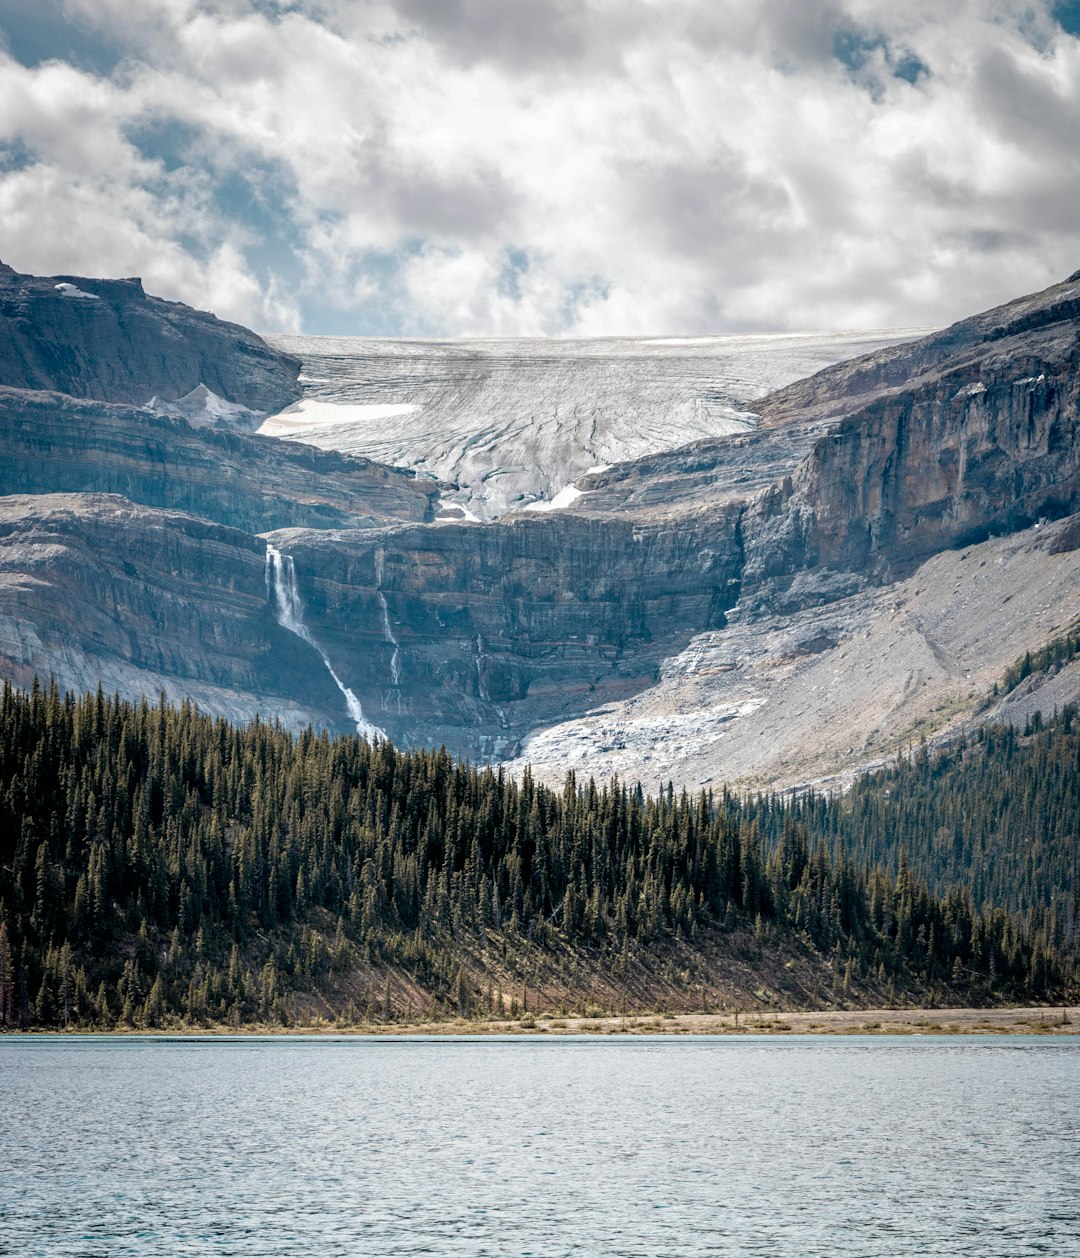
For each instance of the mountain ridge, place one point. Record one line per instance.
(481, 635)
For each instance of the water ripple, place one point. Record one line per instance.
(123, 1148)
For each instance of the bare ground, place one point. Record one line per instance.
(1028, 1021)
(1031, 1020)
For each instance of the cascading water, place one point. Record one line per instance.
(289, 612)
(481, 678)
(395, 671)
(388, 633)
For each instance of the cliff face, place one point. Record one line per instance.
(985, 442)
(94, 589)
(470, 635)
(476, 634)
(501, 629)
(843, 388)
(51, 444)
(108, 340)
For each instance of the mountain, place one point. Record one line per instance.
(109, 341)
(903, 542)
(849, 568)
(135, 492)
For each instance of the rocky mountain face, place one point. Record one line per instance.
(693, 608)
(982, 438)
(136, 491)
(96, 589)
(50, 443)
(491, 628)
(466, 634)
(110, 341)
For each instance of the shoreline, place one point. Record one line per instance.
(1028, 1020)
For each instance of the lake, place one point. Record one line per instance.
(648, 1146)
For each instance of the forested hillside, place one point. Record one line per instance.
(998, 811)
(158, 867)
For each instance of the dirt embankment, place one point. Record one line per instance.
(1029, 1021)
(1032, 1020)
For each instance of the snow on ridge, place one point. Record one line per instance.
(69, 290)
(456, 512)
(566, 497)
(313, 413)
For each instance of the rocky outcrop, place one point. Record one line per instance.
(984, 442)
(700, 475)
(853, 479)
(846, 387)
(820, 692)
(110, 341)
(94, 589)
(476, 634)
(470, 635)
(51, 444)
(511, 624)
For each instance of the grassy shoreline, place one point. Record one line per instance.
(1029, 1020)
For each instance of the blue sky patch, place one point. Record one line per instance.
(1067, 13)
(38, 30)
(517, 265)
(854, 48)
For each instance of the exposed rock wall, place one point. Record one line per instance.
(984, 446)
(95, 589)
(845, 387)
(50, 444)
(492, 629)
(109, 340)
(474, 635)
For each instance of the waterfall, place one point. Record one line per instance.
(289, 612)
(481, 680)
(395, 671)
(388, 634)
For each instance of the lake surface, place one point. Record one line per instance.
(801, 1146)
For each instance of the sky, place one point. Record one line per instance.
(454, 168)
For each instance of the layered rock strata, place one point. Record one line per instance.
(110, 341)
(477, 635)
(51, 444)
(95, 589)
(470, 634)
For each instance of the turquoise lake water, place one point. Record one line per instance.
(805, 1146)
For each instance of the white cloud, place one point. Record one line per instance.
(598, 166)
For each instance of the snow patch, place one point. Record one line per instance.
(313, 413)
(69, 290)
(673, 736)
(455, 511)
(564, 498)
(202, 406)
(512, 421)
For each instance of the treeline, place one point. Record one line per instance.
(1054, 654)
(998, 812)
(160, 865)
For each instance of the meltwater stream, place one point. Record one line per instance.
(289, 612)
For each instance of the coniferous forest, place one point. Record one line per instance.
(159, 867)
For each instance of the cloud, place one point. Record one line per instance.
(570, 166)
